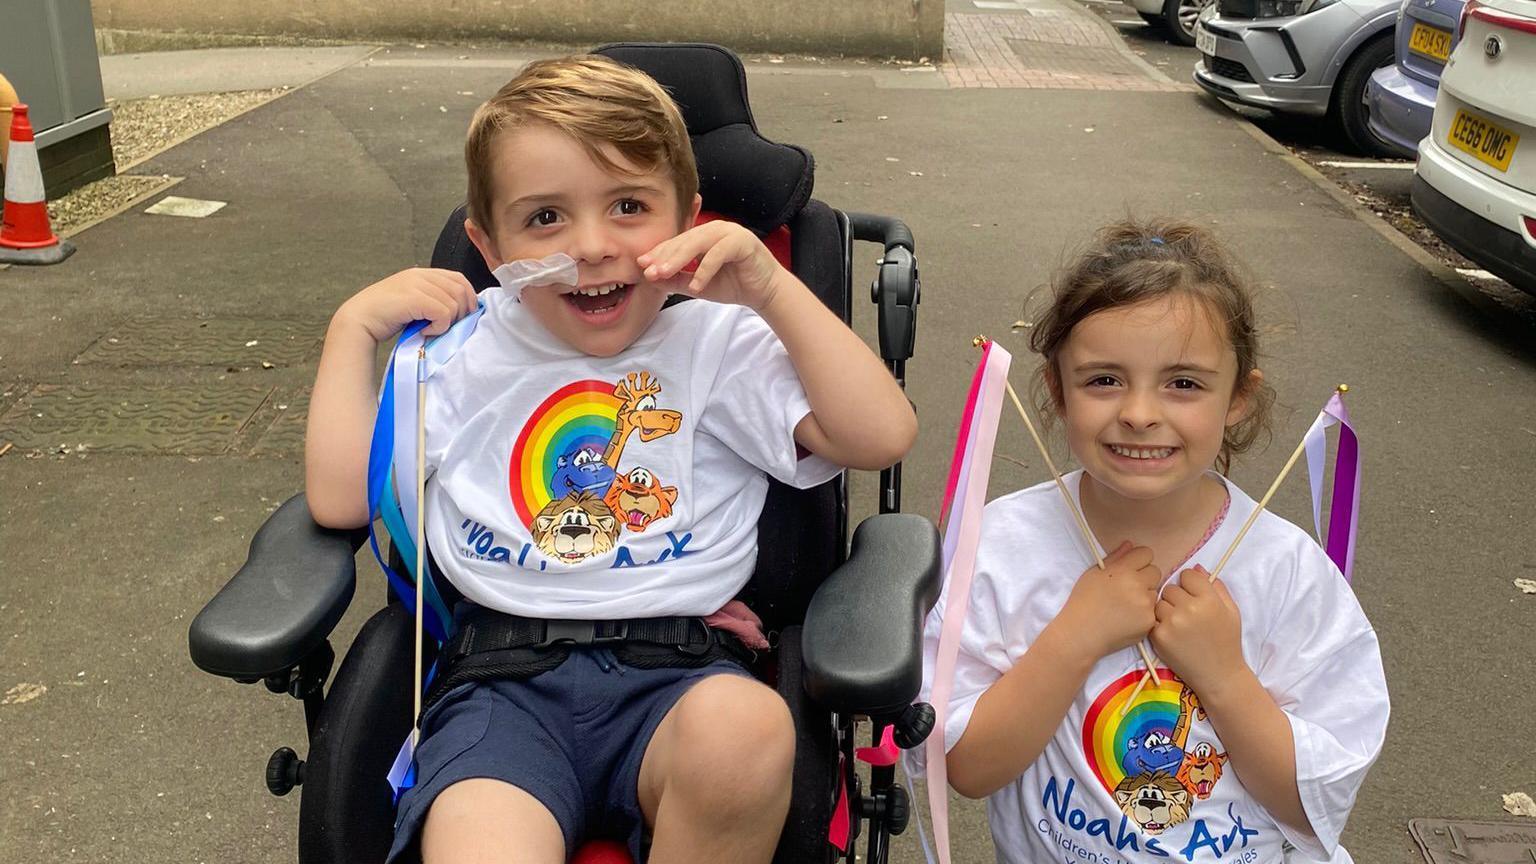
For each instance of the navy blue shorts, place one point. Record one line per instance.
(572, 737)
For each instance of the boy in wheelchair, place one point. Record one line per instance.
(663, 425)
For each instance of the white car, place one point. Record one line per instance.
(1475, 183)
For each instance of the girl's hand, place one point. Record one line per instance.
(1199, 631)
(1111, 608)
(734, 266)
(385, 307)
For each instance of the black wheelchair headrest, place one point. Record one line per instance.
(742, 175)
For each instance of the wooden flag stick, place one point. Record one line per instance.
(421, 538)
(1093, 546)
(1252, 517)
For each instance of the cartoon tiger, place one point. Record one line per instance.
(639, 499)
(1155, 801)
(1201, 770)
(575, 528)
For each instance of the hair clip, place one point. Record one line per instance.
(1156, 241)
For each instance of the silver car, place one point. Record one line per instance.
(1301, 56)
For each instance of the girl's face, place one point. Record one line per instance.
(1147, 393)
(552, 196)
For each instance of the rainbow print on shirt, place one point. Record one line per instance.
(552, 456)
(563, 474)
(1141, 755)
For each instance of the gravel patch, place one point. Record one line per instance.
(140, 129)
(143, 127)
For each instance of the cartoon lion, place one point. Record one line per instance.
(639, 499)
(1201, 769)
(1155, 801)
(575, 528)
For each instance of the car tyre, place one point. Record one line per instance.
(1152, 18)
(1347, 108)
(1179, 18)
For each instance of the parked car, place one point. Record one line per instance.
(1475, 183)
(1309, 57)
(1400, 99)
(1177, 17)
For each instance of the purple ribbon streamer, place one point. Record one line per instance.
(1343, 518)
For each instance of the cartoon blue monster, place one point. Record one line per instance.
(581, 470)
(1154, 751)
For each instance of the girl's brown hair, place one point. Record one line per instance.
(1131, 262)
(597, 101)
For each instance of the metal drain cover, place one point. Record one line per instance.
(131, 418)
(1451, 841)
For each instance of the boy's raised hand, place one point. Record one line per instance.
(1199, 631)
(1112, 608)
(734, 266)
(385, 307)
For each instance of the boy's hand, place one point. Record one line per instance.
(735, 266)
(385, 307)
(1199, 631)
(1111, 608)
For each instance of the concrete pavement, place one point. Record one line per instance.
(138, 348)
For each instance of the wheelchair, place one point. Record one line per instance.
(845, 618)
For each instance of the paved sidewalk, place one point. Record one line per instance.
(1041, 44)
(154, 387)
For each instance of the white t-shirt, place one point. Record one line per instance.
(571, 486)
(1152, 783)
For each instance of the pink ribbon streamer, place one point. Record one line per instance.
(965, 497)
(1344, 505)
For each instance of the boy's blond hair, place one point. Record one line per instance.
(595, 100)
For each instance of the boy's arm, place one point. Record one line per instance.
(342, 406)
(341, 413)
(860, 418)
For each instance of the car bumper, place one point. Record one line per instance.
(1400, 109)
(1282, 64)
(1147, 7)
(1481, 220)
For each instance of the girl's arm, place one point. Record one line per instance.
(1199, 633)
(1260, 748)
(1108, 609)
(1016, 717)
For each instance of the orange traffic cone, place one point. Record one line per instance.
(25, 236)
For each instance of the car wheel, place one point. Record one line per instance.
(1347, 108)
(1179, 17)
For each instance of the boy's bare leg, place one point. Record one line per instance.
(482, 821)
(715, 781)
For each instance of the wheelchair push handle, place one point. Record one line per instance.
(885, 230)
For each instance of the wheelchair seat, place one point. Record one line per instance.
(846, 621)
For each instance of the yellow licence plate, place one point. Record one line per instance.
(1430, 41)
(1484, 139)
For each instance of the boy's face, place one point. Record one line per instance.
(549, 196)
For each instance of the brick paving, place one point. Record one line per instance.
(1048, 45)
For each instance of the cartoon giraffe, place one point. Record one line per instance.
(639, 413)
(1202, 765)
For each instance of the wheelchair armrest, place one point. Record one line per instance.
(863, 635)
(281, 605)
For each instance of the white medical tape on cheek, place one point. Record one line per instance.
(556, 269)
